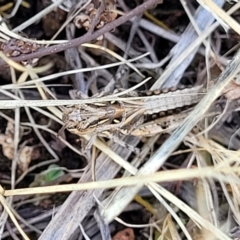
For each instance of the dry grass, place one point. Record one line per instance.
(210, 167)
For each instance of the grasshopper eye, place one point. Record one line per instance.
(65, 118)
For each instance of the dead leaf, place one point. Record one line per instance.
(25, 158)
(27, 154)
(7, 141)
(7, 148)
(126, 234)
(232, 91)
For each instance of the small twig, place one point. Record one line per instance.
(87, 37)
(74, 61)
(134, 28)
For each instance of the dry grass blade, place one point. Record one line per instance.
(8, 210)
(220, 15)
(114, 158)
(172, 175)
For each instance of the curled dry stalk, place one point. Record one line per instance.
(88, 37)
